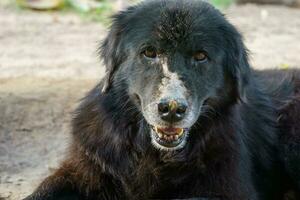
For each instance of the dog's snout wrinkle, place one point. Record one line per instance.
(171, 85)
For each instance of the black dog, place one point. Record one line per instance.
(180, 115)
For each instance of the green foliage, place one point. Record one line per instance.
(100, 13)
(222, 3)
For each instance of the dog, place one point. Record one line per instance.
(180, 114)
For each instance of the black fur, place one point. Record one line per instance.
(235, 150)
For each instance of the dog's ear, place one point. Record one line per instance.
(242, 68)
(236, 62)
(112, 49)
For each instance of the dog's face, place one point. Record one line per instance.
(173, 57)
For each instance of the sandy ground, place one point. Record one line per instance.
(48, 61)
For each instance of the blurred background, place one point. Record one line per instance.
(48, 61)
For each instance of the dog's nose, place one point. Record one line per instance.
(172, 110)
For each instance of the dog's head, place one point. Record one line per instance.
(174, 57)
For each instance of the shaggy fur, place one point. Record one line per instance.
(244, 146)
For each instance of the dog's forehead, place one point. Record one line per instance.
(174, 24)
(179, 22)
(184, 26)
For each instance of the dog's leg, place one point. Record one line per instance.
(69, 183)
(56, 187)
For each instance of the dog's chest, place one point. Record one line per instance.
(169, 181)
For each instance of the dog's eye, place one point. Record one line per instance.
(200, 56)
(150, 52)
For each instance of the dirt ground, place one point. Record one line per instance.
(48, 62)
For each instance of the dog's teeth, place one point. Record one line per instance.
(174, 137)
(181, 132)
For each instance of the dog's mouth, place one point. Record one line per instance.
(168, 137)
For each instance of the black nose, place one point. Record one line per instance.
(172, 110)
